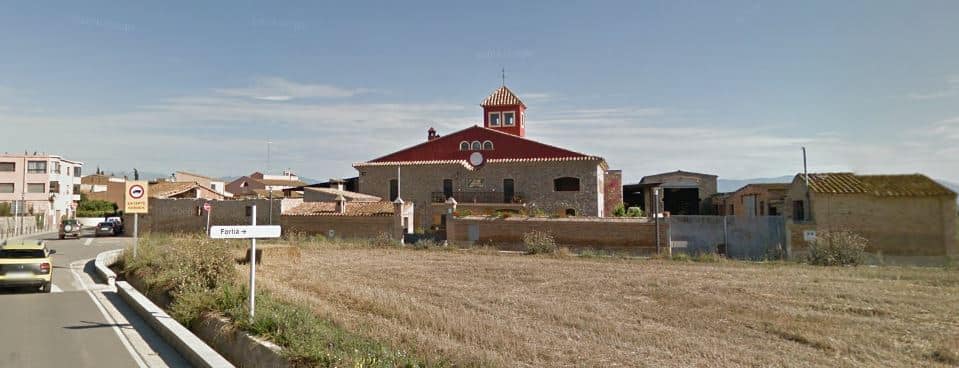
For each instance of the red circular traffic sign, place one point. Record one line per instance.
(136, 191)
(207, 207)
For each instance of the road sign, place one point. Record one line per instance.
(137, 197)
(207, 207)
(245, 232)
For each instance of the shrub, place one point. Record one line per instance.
(620, 210)
(837, 248)
(539, 242)
(634, 212)
(95, 208)
(383, 240)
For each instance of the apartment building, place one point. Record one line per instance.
(40, 184)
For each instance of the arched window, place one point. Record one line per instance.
(566, 184)
(488, 145)
(464, 146)
(477, 146)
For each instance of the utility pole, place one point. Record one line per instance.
(253, 266)
(656, 215)
(268, 142)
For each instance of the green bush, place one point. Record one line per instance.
(6, 209)
(95, 208)
(539, 242)
(837, 248)
(622, 211)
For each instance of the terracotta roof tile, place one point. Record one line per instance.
(913, 185)
(381, 208)
(502, 97)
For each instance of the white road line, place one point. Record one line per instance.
(88, 241)
(55, 289)
(123, 339)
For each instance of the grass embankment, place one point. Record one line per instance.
(201, 276)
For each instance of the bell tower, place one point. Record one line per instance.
(503, 111)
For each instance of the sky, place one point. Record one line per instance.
(732, 88)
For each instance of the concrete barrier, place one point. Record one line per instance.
(102, 265)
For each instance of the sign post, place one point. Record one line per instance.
(207, 207)
(251, 232)
(136, 203)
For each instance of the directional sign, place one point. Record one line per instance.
(245, 232)
(137, 197)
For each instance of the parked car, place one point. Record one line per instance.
(105, 229)
(69, 228)
(26, 264)
(117, 225)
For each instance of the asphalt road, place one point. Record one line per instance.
(81, 323)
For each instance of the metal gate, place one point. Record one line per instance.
(754, 237)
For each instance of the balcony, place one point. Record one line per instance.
(479, 197)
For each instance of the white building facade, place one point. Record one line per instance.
(40, 184)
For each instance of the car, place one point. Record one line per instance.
(117, 225)
(105, 229)
(69, 228)
(26, 264)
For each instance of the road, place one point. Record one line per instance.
(81, 323)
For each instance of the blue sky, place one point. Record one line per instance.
(733, 88)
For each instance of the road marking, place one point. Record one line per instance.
(123, 339)
(55, 289)
(88, 241)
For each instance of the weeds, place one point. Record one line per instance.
(539, 242)
(837, 248)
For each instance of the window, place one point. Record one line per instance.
(54, 187)
(799, 211)
(56, 167)
(477, 146)
(447, 188)
(494, 119)
(464, 146)
(6, 187)
(509, 193)
(773, 211)
(566, 184)
(509, 119)
(394, 189)
(762, 208)
(488, 145)
(8, 166)
(36, 188)
(249, 211)
(76, 188)
(76, 171)
(36, 167)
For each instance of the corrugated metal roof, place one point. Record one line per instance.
(910, 185)
(502, 97)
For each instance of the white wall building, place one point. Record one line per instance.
(40, 184)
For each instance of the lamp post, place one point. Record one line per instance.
(656, 215)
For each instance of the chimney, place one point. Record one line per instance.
(340, 204)
(431, 134)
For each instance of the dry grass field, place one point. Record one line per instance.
(486, 309)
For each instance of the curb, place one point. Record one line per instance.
(18, 237)
(194, 350)
(102, 265)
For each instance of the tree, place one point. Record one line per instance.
(136, 174)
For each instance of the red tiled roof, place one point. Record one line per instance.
(912, 185)
(352, 209)
(506, 148)
(502, 97)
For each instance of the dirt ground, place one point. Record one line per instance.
(487, 309)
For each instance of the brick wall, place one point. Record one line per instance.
(638, 235)
(613, 196)
(182, 215)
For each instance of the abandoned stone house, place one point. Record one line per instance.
(493, 167)
(765, 199)
(907, 215)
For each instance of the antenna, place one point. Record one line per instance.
(504, 75)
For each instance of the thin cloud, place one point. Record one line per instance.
(952, 88)
(280, 89)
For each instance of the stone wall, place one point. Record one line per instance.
(342, 226)
(532, 179)
(635, 235)
(186, 216)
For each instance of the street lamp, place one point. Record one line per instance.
(656, 214)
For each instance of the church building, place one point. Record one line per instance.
(493, 167)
